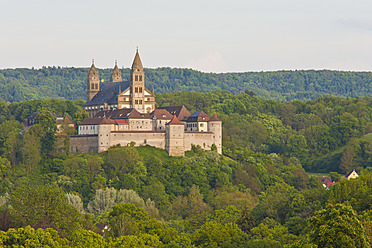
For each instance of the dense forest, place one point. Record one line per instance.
(69, 83)
(259, 193)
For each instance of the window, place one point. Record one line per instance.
(201, 125)
(140, 90)
(136, 78)
(140, 78)
(136, 101)
(140, 101)
(136, 90)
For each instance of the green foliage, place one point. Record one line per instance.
(229, 215)
(43, 206)
(191, 205)
(106, 199)
(338, 226)
(29, 237)
(69, 83)
(356, 192)
(257, 195)
(213, 234)
(140, 241)
(273, 231)
(82, 238)
(75, 201)
(279, 202)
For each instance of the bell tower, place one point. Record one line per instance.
(137, 84)
(92, 82)
(116, 74)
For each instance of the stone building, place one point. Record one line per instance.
(119, 94)
(124, 113)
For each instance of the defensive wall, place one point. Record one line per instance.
(104, 140)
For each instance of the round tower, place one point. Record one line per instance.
(92, 82)
(215, 126)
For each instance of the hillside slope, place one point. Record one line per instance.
(70, 83)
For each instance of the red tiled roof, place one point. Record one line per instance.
(91, 121)
(330, 183)
(121, 121)
(97, 121)
(161, 114)
(180, 111)
(324, 179)
(107, 121)
(174, 121)
(214, 118)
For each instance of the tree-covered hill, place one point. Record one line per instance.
(257, 194)
(69, 83)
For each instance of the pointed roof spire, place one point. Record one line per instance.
(93, 69)
(137, 64)
(214, 118)
(116, 74)
(116, 66)
(174, 121)
(92, 66)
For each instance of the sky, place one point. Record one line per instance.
(209, 36)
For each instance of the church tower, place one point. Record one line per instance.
(137, 84)
(92, 82)
(116, 74)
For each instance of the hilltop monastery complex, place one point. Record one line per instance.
(124, 113)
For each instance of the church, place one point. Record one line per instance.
(124, 113)
(119, 94)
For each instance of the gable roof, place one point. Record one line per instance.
(127, 113)
(180, 111)
(198, 116)
(324, 179)
(109, 93)
(97, 121)
(161, 114)
(121, 121)
(353, 171)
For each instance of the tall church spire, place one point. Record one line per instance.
(137, 85)
(137, 64)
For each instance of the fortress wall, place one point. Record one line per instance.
(198, 138)
(152, 138)
(83, 143)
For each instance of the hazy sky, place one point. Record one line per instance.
(213, 36)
